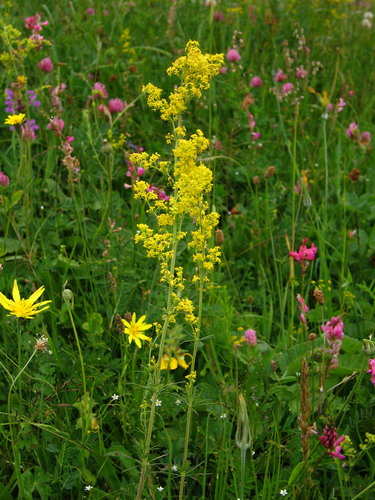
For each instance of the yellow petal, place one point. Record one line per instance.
(138, 342)
(36, 295)
(6, 303)
(16, 292)
(173, 364)
(182, 362)
(143, 337)
(164, 362)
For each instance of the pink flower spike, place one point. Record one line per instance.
(365, 138)
(233, 55)
(334, 329)
(256, 82)
(371, 365)
(352, 131)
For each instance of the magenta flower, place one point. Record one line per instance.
(280, 76)
(223, 70)
(116, 105)
(371, 365)
(218, 16)
(256, 82)
(303, 308)
(287, 88)
(340, 105)
(352, 131)
(365, 138)
(33, 23)
(332, 441)
(99, 91)
(46, 65)
(90, 11)
(304, 254)
(250, 337)
(233, 55)
(4, 181)
(334, 329)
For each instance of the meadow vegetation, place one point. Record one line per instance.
(187, 250)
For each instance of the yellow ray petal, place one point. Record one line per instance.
(36, 295)
(5, 302)
(16, 292)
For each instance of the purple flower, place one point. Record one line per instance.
(10, 104)
(28, 130)
(33, 101)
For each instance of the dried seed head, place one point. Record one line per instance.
(128, 316)
(319, 296)
(219, 237)
(274, 365)
(119, 325)
(256, 179)
(312, 336)
(270, 172)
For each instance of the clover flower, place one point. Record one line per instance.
(233, 55)
(24, 308)
(115, 105)
(256, 82)
(4, 179)
(135, 328)
(46, 65)
(250, 337)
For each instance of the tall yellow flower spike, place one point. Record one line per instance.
(24, 308)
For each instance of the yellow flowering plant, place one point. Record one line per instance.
(24, 308)
(183, 218)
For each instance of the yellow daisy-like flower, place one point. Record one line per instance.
(15, 119)
(135, 328)
(24, 308)
(170, 361)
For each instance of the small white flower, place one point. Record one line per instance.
(178, 402)
(368, 15)
(115, 397)
(174, 467)
(283, 493)
(160, 488)
(253, 453)
(223, 415)
(88, 487)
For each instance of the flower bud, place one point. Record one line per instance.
(319, 296)
(270, 172)
(243, 434)
(219, 237)
(68, 297)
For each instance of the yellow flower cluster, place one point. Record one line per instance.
(195, 71)
(189, 181)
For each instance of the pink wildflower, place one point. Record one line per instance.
(371, 365)
(4, 180)
(46, 65)
(256, 82)
(304, 254)
(90, 11)
(365, 138)
(303, 308)
(334, 329)
(330, 107)
(56, 125)
(301, 73)
(233, 55)
(287, 88)
(255, 136)
(218, 16)
(223, 70)
(280, 76)
(340, 105)
(250, 337)
(33, 23)
(332, 441)
(28, 130)
(99, 91)
(115, 105)
(352, 131)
